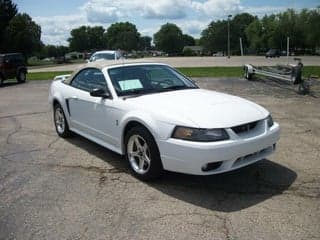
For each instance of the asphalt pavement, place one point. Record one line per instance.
(54, 188)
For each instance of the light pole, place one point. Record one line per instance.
(229, 16)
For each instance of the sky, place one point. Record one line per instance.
(58, 17)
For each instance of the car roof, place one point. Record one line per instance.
(105, 51)
(107, 64)
(7, 54)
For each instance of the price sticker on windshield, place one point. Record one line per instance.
(130, 84)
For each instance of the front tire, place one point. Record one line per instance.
(1, 80)
(22, 77)
(142, 154)
(60, 122)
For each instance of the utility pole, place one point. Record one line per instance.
(229, 16)
(288, 49)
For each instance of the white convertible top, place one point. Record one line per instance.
(107, 63)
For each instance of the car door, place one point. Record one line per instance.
(91, 115)
(9, 66)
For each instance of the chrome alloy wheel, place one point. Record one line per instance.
(138, 154)
(59, 120)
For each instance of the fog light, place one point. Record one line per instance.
(211, 166)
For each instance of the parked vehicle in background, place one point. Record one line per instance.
(273, 53)
(161, 120)
(62, 77)
(12, 65)
(105, 55)
(218, 54)
(61, 60)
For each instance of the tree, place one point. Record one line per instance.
(122, 35)
(254, 32)
(53, 51)
(311, 28)
(7, 11)
(87, 38)
(169, 39)
(237, 30)
(96, 39)
(214, 38)
(145, 43)
(23, 35)
(188, 40)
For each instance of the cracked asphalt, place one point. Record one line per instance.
(52, 188)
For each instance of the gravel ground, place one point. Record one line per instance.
(202, 62)
(52, 188)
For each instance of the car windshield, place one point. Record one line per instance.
(108, 56)
(145, 79)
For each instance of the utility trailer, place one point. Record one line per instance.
(291, 73)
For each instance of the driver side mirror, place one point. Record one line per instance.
(98, 92)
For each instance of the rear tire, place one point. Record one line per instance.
(60, 122)
(1, 80)
(142, 154)
(22, 77)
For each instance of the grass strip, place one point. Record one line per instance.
(188, 71)
(45, 75)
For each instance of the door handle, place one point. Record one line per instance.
(74, 97)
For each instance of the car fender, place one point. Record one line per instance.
(55, 95)
(144, 119)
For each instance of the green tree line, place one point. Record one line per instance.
(270, 31)
(19, 33)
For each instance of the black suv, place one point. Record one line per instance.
(273, 53)
(12, 65)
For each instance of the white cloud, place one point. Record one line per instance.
(192, 16)
(263, 10)
(169, 9)
(56, 30)
(193, 27)
(110, 10)
(217, 8)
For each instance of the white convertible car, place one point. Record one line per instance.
(161, 120)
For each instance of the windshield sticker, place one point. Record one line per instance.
(130, 84)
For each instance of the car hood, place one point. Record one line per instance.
(199, 108)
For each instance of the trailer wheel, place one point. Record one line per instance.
(247, 74)
(304, 88)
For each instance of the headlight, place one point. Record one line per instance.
(270, 121)
(200, 135)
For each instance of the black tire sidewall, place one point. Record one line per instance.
(19, 78)
(156, 169)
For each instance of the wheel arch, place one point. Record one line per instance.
(131, 123)
(55, 101)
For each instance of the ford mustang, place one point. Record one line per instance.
(161, 120)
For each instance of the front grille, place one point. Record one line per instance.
(254, 156)
(244, 127)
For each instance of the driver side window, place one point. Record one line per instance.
(89, 79)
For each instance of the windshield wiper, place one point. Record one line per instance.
(137, 93)
(176, 87)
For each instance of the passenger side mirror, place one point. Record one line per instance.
(98, 92)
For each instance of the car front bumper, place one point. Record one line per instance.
(192, 157)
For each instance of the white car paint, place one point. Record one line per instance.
(95, 56)
(104, 120)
